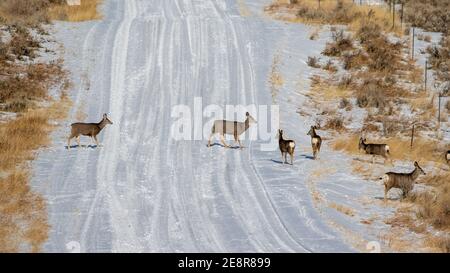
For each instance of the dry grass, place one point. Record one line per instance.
(424, 149)
(431, 15)
(343, 209)
(23, 221)
(24, 217)
(24, 89)
(431, 207)
(333, 12)
(323, 90)
(21, 136)
(276, 80)
(88, 10)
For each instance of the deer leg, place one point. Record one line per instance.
(282, 157)
(240, 145)
(223, 141)
(78, 141)
(285, 157)
(209, 140)
(96, 141)
(385, 193)
(68, 141)
(292, 158)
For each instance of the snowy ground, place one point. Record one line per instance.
(145, 192)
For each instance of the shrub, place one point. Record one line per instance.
(431, 15)
(329, 66)
(313, 62)
(341, 42)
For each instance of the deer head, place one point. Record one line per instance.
(250, 118)
(106, 119)
(312, 131)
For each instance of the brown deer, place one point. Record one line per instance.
(234, 128)
(403, 181)
(87, 129)
(287, 146)
(374, 149)
(316, 141)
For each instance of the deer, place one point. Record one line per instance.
(234, 128)
(316, 141)
(403, 181)
(287, 146)
(87, 129)
(447, 157)
(374, 149)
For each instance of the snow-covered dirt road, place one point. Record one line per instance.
(145, 192)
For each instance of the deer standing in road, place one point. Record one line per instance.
(403, 181)
(374, 149)
(87, 129)
(234, 128)
(316, 141)
(287, 146)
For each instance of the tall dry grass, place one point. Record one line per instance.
(23, 221)
(334, 12)
(23, 215)
(424, 149)
(88, 10)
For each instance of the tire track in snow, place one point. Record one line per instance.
(124, 235)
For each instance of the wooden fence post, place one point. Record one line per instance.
(412, 51)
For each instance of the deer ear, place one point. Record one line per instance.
(247, 114)
(104, 115)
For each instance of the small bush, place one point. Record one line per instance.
(329, 66)
(345, 81)
(313, 62)
(341, 43)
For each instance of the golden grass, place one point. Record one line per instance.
(342, 209)
(88, 10)
(424, 149)
(308, 12)
(23, 213)
(324, 91)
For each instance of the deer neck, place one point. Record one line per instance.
(246, 124)
(313, 133)
(364, 145)
(102, 124)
